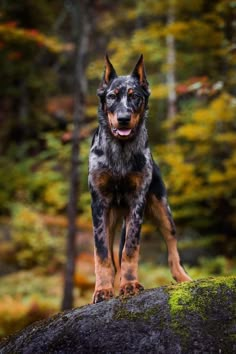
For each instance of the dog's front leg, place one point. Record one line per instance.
(104, 270)
(129, 284)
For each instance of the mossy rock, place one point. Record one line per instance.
(195, 317)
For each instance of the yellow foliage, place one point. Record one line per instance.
(91, 111)
(230, 176)
(11, 33)
(204, 116)
(25, 218)
(223, 108)
(200, 162)
(16, 314)
(193, 132)
(200, 30)
(95, 68)
(148, 229)
(216, 177)
(228, 138)
(12, 307)
(159, 91)
(151, 33)
(55, 194)
(178, 29)
(30, 237)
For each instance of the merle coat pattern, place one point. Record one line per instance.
(125, 183)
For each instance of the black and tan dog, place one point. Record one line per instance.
(125, 183)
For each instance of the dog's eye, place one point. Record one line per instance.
(111, 96)
(133, 96)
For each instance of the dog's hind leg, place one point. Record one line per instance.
(159, 211)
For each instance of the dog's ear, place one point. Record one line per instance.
(109, 75)
(140, 73)
(109, 71)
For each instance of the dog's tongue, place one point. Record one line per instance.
(124, 132)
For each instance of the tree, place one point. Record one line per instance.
(82, 27)
(171, 77)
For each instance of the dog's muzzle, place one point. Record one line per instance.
(123, 119)
(123, 129)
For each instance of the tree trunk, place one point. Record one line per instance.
(195, 317)
(171, 62)
(82, 28)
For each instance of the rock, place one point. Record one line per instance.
(196, 317)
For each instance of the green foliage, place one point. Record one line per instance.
(39, 180)
(30, 284)
(30, 237)
(49, 184)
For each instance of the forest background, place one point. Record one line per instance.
(47, 49)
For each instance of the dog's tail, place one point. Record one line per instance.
(122, 240)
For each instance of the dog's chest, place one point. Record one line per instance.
(119, 172)
(118, 190)
(119, 161)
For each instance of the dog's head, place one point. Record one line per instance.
(123, 99)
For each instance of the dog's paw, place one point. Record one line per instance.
(131, 289)
(102, 295)
(180, 275)
(182, 278)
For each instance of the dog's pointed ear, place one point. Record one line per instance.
(109, 71)
(140, 73)
(109, 75)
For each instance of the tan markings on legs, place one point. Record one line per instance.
(104, 268)
(129, 267)
(158, 211)
(129, 284)
(104, 280)
(113, 221)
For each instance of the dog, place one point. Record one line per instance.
(125, 183)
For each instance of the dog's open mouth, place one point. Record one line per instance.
(123, 133)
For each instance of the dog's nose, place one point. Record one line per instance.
(123, 118)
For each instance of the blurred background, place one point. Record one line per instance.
(51, 61)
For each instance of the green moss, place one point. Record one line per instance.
(197, 299)
(182, 296)
(122, 313)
